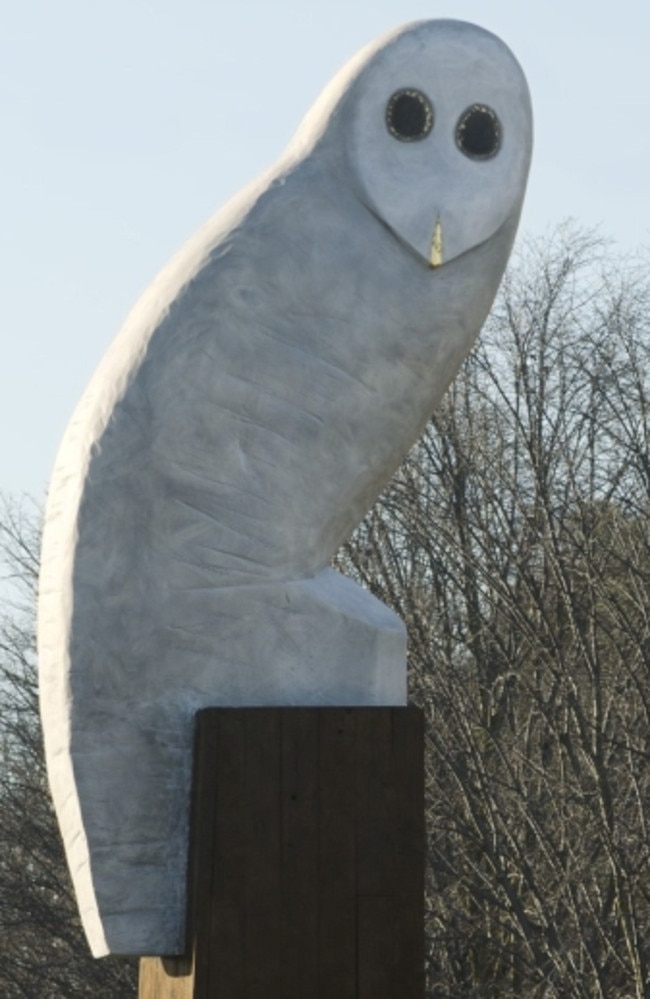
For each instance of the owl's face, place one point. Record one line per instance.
(440, 137)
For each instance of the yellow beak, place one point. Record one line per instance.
(435, 258)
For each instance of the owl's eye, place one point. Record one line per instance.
(478, 132)
(409, 115)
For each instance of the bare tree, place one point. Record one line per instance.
(514, 542)
(43, 953)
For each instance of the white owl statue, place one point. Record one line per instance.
(254, 405)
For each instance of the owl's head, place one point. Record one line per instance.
(433, 126)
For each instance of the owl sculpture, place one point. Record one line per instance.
(254, 405)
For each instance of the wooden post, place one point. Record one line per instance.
(307, 858)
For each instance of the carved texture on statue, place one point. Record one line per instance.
(249, 413)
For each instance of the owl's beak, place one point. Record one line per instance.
(435, 256)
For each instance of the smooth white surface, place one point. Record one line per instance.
(253, 406)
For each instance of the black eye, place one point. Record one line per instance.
(409, 115)
(478, 133)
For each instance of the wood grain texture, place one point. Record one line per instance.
(307, 867)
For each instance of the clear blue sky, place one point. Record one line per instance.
(126, 123)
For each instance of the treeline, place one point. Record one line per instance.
(43, 953)
(515, 543)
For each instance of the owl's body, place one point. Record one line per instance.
(248, 415)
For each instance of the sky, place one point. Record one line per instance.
(127, 123)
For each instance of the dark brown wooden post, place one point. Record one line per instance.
(307, 859)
